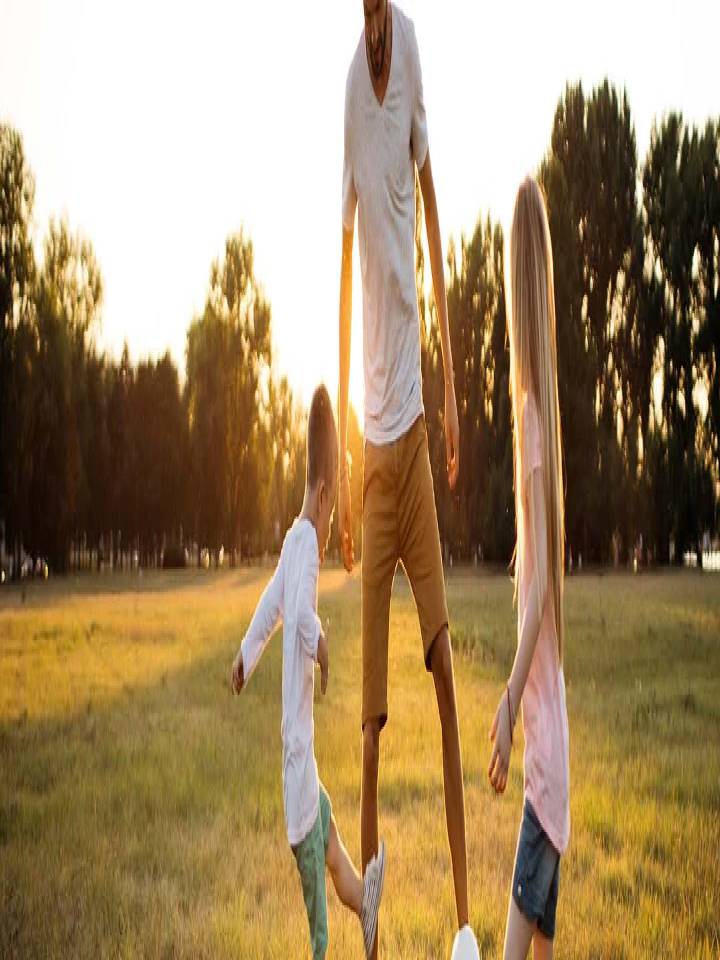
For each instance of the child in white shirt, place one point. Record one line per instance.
(291, 596)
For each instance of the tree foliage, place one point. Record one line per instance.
(117, 456)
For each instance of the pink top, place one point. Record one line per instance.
(544, 713)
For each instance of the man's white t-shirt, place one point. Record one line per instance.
(383, 143)
(291, 596)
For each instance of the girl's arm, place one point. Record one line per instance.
(264, 621)
(506, 714)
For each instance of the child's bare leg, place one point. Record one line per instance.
(518, 933)
(346, 879)
(542, 947)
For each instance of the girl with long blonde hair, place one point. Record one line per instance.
(537, 680)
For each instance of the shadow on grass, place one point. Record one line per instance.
(103, 803)
(39, 593)
(125, 826)
(124, 822)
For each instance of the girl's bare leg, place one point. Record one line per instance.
(542, 947)
(518, 933)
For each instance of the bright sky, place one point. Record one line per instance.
(159, 128)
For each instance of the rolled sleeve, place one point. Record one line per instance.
(349, 195)
(308, 622)
(419, 131)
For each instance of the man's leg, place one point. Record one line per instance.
(378, 569)
(422, 559)
(369, 791)
(368, 796)
(442, 671)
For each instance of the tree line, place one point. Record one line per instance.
(112, 456)
(637, 291)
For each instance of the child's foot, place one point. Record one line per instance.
(372, 894)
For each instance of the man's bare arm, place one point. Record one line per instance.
(344, 505)
(432, 223)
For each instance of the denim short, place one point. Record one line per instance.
(537, 874)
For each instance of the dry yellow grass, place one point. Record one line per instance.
(141, 805)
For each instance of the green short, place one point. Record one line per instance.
(310, 858)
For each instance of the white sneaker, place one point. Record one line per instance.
(465, 946)
(372, 894)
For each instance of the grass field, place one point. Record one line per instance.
(141, 805)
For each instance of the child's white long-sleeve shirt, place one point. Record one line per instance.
(291, 596)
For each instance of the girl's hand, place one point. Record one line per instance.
(238, 677)
(501, 738)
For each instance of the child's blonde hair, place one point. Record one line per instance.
(530, 299)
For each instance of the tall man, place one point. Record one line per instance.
(385, 139)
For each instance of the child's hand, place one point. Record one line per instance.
(501, 737)
(238, 676)
(323, 661)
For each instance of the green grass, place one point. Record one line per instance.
(141, 805)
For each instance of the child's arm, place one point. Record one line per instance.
(506, 713)
(265, 619)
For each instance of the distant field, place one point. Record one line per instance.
(141, 805)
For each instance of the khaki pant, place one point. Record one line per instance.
(399, 525)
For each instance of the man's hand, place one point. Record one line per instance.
(345, 516)
(238, 675)
(452, 434)
(501, 737)
(323, 661)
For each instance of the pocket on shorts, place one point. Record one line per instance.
(535, 866)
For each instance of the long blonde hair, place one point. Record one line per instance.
(530, 300)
